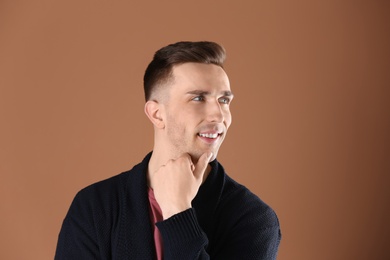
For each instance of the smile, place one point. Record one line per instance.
(209, 135)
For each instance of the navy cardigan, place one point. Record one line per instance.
(110, 220)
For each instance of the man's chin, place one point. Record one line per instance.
(213, 157)
(195, 155)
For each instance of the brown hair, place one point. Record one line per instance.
(159, 70)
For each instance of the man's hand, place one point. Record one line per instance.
(176, 183)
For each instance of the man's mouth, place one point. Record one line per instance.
(209, 135)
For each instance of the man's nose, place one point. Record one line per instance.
(214, 112)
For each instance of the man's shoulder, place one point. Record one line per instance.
(99, 195)
(111, 188)
(108, 185)
(235, 190)
(246, 203)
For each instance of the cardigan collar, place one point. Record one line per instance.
(137, 211)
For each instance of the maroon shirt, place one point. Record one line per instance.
(155, 216)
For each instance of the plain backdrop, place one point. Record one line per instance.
(311, 115)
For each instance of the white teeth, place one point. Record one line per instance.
(209, 135)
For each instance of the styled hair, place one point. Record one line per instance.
(159, 70)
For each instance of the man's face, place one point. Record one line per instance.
(197, 109)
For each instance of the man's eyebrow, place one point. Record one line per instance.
(228, 93)
(198, 92)
(205, 93)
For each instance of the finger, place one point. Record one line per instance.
(201, 165)
(188, 157)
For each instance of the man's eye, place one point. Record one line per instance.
(198, 98)
(224, 100)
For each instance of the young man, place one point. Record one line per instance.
(178, 203)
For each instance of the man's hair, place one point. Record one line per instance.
(159, 70)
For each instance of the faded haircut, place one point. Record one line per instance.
(159, 70)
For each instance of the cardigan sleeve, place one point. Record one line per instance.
(182, 237)
(256, 237)
(238, 226)
(78, 238)
(249, 228)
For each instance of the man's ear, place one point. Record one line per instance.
(153, 110)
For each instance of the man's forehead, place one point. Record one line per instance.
(200, 76)
(194, 67)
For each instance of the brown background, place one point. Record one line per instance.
(311, 117)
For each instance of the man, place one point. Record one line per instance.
(178, 203)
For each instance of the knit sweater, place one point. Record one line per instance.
(110, 220)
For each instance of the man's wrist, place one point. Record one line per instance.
(173, 211)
